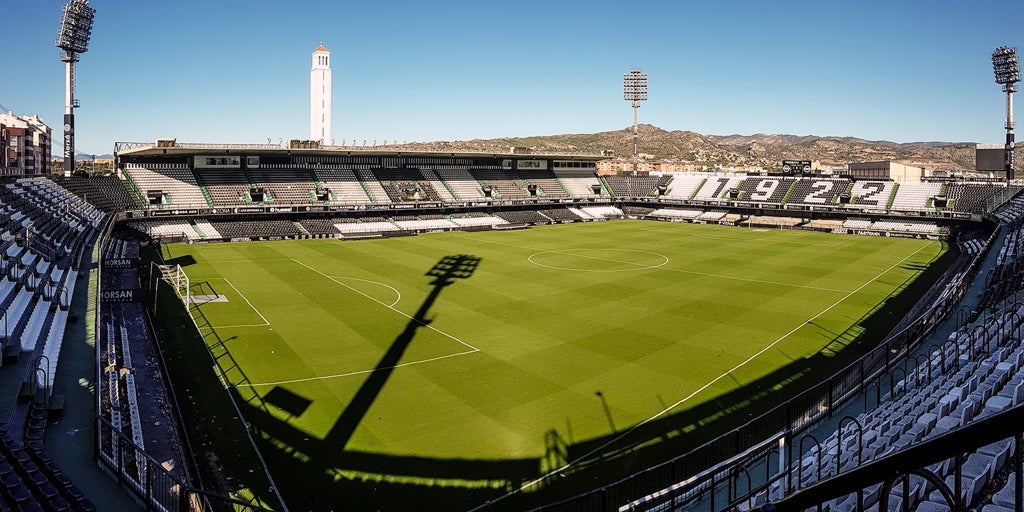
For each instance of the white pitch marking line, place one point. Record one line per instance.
(709, 384)
(572, 252)
(467, 345)
(239, 326)
(398, 294)
(360, 372)
(471, 350)
(246, 299)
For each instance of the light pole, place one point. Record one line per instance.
(73, 38)
(1006, 66)
(634, 85)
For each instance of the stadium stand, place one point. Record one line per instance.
(925, 228)
(875, 194)
(772, 222)
(717, 187)
(818, 191)
(966, 197)
(44, 237)
(523, 217)
(636, 211)
(171, 184)
(366, 226)
(343, 185)
(470, 220)
(439, 186)
(602, 212)
(426, 224)
(547, 185)
(764, 190)
(683, 186)
(227, 187)
(108, 193)
(915, 195)
(579, 182)
(713, 216)
(206, 230)
(731, 219)
(403, 185)
(167, 229)
(373, 187)
(857, 223)
(462, 184)
(559, 214)
(833, 225)
(626, 185)
(320, 227)
(506, 184)
(244, 229)
(285, 185)
(674, 213)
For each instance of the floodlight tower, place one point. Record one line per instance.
(73, 38)
(634, 84)
(1007, 70)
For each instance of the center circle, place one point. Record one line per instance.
(598, 260)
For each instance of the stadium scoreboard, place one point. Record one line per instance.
(792, 166)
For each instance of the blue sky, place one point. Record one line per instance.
(237, 71)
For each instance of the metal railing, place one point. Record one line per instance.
(146, 478)
(899, 468)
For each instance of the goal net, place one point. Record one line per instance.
(174, 276)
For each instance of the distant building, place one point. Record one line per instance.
(884, 170)
(320, 97)
(25, 141)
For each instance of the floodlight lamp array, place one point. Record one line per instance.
(635, 85)
(75, 28)
(1006, 66)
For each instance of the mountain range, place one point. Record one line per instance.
(758, 150)
(85, 156)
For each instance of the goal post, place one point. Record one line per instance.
(173, 275)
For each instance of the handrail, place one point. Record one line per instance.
(1002, 425)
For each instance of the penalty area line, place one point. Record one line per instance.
(472, 349)
(360, 372)
(392, 308)
(246, 299)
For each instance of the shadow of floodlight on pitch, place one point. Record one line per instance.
(445, 272)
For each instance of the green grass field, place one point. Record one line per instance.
(381, 360)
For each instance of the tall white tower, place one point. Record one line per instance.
(320, 96)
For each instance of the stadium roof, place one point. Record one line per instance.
(184, 149)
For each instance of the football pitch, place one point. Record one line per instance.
(485, 346)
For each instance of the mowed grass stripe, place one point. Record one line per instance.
(549, 339)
